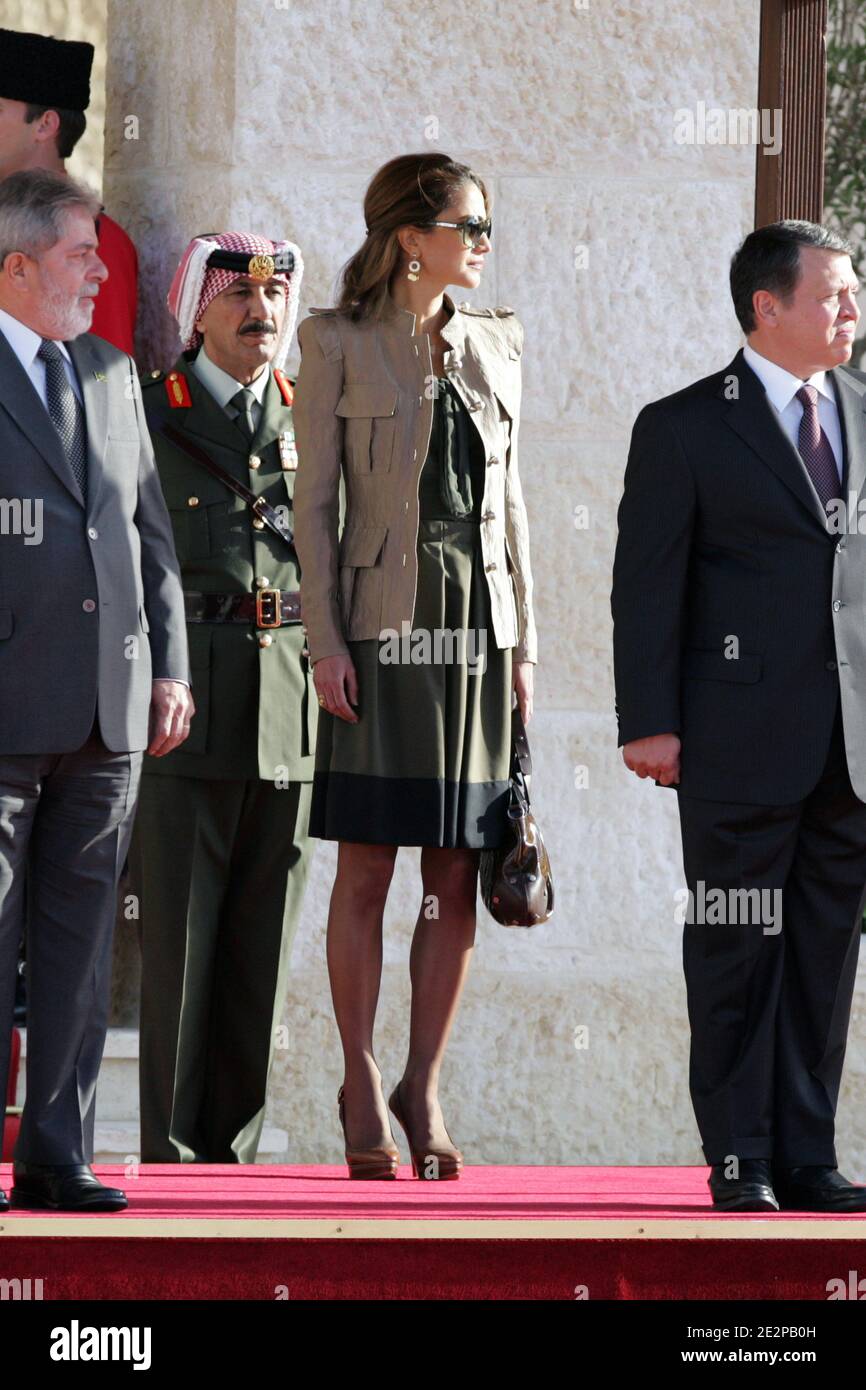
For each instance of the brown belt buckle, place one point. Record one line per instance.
(269, 596)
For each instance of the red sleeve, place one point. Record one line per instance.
(117, 302)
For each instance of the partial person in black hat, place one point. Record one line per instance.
(44, 92)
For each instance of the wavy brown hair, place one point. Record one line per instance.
(411, 190)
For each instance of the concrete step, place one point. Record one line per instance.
(116, 1134)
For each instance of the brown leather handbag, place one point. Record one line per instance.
(515, 879)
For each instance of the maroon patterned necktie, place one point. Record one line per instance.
(815, 448)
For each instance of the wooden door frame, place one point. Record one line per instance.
(792, 78)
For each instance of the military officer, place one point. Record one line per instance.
(220, 851)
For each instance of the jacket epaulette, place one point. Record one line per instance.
(500, 311)
(512, 329)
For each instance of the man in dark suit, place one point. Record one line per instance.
(93, 665)
(739, 605)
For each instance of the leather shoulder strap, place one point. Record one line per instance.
(262, 509)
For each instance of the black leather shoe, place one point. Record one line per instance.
(62, 1187)
(4, 1201)
(751, 1191)
(817, 1187)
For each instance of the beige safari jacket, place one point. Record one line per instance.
(363, 412)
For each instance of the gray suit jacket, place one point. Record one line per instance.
(91, 605)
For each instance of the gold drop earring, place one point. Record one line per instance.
(414, 267)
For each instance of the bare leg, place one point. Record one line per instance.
(438, 965)
(358, 897)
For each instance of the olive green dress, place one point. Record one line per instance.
(428, 762)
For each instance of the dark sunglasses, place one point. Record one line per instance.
(472, 229)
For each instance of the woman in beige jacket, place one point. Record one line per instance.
(418, 616)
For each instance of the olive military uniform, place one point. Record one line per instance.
(220, 851)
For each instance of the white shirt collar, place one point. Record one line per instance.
(781, 385)
(222, 386)
(24, 341)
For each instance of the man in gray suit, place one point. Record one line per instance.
(93, 666)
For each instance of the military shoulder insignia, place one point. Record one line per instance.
(285, 386)
(177, 390)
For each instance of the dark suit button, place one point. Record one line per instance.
(89, 605)
(831, 666)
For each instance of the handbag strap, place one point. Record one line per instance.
(521, 759)
(520, 742)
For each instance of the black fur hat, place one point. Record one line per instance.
(44, 71)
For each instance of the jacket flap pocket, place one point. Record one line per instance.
(5, 622)
(361, 545)
(508, 397)
(190, 489)
(366, 399)
(715, 666)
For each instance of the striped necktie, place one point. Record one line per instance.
(815, 448)
(67, 415)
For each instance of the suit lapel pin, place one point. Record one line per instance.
(99, 376)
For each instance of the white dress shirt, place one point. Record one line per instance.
(222, 386)
(782, 386)
(25, 343)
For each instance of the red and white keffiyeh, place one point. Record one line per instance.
(195, 284)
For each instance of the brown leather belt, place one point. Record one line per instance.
(265, 608)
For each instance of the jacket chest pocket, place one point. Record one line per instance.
(370, 413)
(505, 410)
(201, 509)
(191, 533)
(506, 397)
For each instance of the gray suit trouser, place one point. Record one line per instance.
(65, 824)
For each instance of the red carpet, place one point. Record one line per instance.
(227, 1232)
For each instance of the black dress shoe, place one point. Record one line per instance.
(751, 1191)
(817, 1187)
(4, 1201)
(62, 1187)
